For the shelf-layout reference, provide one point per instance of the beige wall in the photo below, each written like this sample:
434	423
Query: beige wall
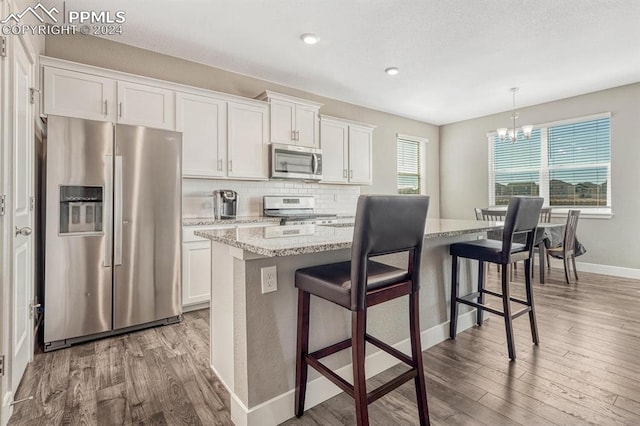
464	169
117	56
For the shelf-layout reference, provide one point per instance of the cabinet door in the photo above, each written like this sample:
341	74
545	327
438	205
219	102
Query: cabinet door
142	105
334	138
282	121
80	95
203	123
307	126
196	272
360	155
247	143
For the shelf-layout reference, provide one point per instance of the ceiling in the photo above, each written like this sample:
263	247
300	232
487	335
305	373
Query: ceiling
457	58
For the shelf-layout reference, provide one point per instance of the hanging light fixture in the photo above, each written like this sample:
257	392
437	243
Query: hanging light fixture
514	134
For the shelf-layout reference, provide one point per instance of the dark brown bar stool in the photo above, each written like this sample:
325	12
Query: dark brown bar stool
522	217
384	224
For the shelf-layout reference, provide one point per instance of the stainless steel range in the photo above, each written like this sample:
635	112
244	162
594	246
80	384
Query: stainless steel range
295	210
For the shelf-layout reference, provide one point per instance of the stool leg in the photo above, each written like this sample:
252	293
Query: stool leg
454	296
532	312
358	328
416	355
507	313
302	351
480	290
575	270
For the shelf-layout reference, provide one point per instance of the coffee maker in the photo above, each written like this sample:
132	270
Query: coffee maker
225	203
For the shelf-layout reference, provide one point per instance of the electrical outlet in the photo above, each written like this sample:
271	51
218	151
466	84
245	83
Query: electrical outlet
269	279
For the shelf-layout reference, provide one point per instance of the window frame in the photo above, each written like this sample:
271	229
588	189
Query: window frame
422	147
545	169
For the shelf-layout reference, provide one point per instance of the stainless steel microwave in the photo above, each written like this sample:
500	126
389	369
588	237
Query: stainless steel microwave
295	162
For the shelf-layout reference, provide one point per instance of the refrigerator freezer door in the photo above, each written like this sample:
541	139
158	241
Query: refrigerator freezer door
78	276
148	205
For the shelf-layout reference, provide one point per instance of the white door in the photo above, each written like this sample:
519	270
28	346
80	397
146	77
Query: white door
334	136
360	155
22	189
203	123
142	105
248	145
282	121
80	95
307	126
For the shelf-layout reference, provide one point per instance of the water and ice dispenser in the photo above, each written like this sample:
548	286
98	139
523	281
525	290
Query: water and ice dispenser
81	209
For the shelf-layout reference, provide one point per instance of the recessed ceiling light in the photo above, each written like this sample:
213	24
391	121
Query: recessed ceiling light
310	38
392	70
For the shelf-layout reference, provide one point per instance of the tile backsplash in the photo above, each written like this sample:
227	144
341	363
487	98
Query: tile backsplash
198	202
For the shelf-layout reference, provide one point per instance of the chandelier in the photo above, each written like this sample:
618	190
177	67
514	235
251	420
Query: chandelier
514	134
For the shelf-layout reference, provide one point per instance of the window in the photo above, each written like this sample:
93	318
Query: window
568	163
410	165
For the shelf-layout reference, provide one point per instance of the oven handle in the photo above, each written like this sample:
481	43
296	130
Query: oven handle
315	163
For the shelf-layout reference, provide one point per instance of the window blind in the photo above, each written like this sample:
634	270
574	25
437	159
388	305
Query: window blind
569	164
409	173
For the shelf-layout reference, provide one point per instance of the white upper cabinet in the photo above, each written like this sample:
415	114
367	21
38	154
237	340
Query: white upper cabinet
347	151
293	120
248	143
360	154
71	93
142	105
203	123
75	94
335	151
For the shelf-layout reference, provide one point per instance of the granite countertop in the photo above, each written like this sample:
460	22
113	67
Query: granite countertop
293	240
203	221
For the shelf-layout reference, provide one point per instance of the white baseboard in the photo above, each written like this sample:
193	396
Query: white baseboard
5	410
616	271
281	408
195	307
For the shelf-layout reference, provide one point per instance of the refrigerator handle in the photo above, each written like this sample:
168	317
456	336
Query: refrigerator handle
108	209
117	211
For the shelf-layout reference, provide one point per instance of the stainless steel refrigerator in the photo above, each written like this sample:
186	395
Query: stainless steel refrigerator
112	254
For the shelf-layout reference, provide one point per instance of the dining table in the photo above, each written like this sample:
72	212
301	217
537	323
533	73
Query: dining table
548	235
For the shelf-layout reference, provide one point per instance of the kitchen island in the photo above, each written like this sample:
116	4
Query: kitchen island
253	335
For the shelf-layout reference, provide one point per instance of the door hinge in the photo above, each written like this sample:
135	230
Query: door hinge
3	46
32	204
32	95
1	365
3	204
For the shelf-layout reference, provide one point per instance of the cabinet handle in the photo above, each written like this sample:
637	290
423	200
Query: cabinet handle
120	109
293	135
106	110
298	135
220	164
350	174
230	165
344	173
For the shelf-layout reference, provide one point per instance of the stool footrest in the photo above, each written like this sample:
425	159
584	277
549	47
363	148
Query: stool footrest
389	349
330	350
467	301
391	385
493	293
329	374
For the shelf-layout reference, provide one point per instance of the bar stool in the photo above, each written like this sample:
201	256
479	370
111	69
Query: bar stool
384	224
522	218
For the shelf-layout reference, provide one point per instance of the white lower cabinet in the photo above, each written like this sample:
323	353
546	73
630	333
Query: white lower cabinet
196	264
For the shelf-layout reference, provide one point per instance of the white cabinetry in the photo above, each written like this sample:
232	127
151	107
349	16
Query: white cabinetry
248	143
76	94
72	93
143	105
203	123
294	121
347	151
196	264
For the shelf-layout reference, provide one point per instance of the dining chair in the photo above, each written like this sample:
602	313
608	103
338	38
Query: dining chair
545	217
567	250
384	224
521	218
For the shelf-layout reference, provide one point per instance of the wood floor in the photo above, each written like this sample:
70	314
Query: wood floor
585	371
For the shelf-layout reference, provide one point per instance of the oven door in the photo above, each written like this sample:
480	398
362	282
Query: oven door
295	162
